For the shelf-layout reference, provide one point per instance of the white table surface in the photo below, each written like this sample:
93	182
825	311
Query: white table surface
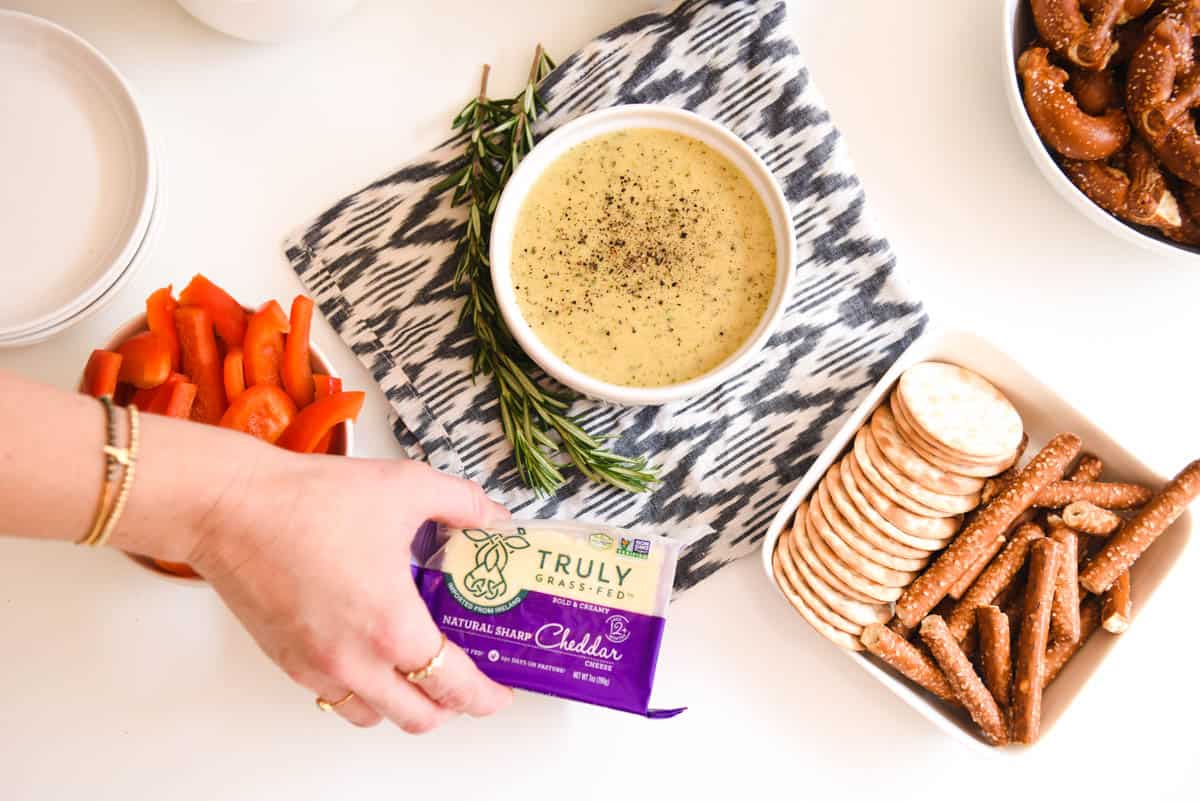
117	685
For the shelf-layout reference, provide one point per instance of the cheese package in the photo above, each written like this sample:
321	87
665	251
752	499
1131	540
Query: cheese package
567	609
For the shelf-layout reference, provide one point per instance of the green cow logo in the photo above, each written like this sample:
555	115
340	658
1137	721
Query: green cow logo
486	580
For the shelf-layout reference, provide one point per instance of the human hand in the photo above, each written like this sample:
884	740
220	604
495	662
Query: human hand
312	555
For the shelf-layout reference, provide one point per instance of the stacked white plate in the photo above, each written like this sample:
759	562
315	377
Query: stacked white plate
79	184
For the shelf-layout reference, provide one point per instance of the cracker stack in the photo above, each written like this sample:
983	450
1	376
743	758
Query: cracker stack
896	498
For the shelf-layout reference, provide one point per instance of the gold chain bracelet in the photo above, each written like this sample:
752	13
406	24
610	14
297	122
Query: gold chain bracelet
108	514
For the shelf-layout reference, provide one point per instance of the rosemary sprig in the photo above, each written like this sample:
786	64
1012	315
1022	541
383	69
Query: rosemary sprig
534	418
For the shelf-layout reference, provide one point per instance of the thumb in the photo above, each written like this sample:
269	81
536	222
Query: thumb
448	499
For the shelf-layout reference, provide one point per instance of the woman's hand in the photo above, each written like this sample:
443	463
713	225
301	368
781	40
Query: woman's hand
312	555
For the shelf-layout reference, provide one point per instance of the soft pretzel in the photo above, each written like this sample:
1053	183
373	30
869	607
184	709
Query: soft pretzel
1163	86
1130	9
1095	90
1087	40
1059	120
1137	194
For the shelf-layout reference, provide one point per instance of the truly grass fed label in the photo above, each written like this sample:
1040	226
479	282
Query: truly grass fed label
491	571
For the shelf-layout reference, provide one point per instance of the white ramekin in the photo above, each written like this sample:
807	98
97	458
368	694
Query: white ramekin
1018	32
590	126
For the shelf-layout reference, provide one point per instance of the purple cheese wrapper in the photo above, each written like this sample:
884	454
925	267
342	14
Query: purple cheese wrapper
583	625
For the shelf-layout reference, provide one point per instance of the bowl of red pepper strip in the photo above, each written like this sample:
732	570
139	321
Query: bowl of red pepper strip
207	358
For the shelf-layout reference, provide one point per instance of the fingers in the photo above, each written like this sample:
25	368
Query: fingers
457	684
448	499
411	641
355	710
399	701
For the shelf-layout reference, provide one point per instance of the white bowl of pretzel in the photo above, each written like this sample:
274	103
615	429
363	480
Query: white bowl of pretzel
1102	93
967	533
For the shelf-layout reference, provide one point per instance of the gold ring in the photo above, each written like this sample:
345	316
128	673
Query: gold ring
326	706
417	676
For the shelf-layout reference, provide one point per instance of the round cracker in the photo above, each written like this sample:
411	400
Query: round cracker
944	502
882	523
938	456
940	528
898	408
960	409
897	451
859	612
803	550
875	591
867	568
894	494
827	631
857	541
814	601
865	528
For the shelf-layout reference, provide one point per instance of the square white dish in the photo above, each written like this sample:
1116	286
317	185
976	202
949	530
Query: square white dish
1045	414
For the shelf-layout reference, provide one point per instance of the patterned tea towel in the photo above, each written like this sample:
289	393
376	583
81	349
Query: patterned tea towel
380	264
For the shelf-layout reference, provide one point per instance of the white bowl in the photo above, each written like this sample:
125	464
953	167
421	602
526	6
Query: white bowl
590	126
79	175
1045	414
268	20
1018	33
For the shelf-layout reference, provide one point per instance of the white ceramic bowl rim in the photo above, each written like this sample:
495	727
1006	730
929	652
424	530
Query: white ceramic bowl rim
588	127
110	81
1010	48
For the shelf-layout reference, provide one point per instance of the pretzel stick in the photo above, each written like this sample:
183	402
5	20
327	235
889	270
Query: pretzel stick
1026	711
1088	518
998	575
1061	652
963	679
1124	547
1106	494
958	588
1012	607
1118	605
991	522
995	651
1088	468
899	629
907	659
997	482
1064	609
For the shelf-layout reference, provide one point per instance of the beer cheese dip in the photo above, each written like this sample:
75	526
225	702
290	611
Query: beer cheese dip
643	258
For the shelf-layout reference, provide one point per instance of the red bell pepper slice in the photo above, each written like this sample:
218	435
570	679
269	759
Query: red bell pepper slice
297	363
227	315
154	398
181	569
320	416
145	360
177	398
160	318
262	350
235	374
201	362
323	387
100	375
263	411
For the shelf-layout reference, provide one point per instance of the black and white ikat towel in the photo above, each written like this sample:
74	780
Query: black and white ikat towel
380	263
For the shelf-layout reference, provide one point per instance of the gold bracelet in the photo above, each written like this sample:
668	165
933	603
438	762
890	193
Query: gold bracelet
127	458
111	472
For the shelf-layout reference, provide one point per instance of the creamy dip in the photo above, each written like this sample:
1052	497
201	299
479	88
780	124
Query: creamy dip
643	258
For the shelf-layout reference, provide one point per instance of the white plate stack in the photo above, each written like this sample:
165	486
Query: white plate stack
80	197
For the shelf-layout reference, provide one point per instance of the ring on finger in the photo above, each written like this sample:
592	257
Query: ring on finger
421	674
328	706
